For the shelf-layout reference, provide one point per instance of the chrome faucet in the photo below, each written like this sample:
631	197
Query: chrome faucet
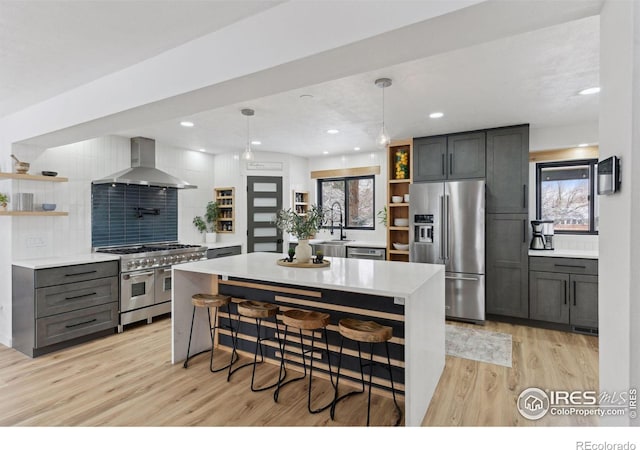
342	235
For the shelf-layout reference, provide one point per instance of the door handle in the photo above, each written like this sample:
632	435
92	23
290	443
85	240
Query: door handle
448	227
137	275
462	278
565	291
442	224
450	163
279	241
574	293
524	196
443	164
524	231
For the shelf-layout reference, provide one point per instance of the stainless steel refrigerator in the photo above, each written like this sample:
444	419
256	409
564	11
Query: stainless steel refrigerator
447	226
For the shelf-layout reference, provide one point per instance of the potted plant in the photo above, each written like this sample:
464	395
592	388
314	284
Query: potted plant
292	253
302	227
382	216
4	199
208	225
319	257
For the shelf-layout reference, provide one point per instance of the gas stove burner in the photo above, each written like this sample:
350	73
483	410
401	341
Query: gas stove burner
146	256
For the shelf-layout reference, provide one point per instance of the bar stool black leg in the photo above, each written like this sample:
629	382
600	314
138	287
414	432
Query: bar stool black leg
259	346
393	389
233	343
280	383
186	361
370	378
337	398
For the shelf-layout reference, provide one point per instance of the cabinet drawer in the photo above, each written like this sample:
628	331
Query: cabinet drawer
564	265
71	274
62	327
225	251
69	297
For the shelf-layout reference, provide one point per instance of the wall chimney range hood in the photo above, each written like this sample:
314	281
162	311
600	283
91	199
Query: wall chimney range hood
143	169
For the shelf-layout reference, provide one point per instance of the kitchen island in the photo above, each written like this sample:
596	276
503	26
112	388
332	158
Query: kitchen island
407	296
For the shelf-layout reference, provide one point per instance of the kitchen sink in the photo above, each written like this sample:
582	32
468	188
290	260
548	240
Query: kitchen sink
332	248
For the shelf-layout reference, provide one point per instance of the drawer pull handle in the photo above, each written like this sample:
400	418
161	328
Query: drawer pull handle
81	323
79	273
570	265
224	254
80	296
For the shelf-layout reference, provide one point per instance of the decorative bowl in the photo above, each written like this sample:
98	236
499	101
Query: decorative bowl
48	206
401	222
22	167
48	173
399	246
396	199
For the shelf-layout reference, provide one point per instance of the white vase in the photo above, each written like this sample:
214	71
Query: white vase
303	251
210	237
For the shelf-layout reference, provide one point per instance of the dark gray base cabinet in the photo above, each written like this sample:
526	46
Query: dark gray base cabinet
58	307
564	290
507	266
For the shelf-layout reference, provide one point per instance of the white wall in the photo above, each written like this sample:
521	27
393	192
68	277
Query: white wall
360	159
565	136
619	264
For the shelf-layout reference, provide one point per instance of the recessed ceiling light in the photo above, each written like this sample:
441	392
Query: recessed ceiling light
436	115
583	145
589	91
325	153
256	143
356	148
185	123
202	150
333	131
306	96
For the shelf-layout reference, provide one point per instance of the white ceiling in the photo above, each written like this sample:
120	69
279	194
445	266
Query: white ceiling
530	78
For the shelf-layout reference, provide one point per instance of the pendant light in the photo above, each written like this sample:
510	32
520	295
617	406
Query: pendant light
383	137
247	155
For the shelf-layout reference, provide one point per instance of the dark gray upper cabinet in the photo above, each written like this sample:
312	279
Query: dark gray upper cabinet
454	157
507	265
466	156
430	159
508	170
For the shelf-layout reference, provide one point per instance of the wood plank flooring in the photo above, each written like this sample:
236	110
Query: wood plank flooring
128	380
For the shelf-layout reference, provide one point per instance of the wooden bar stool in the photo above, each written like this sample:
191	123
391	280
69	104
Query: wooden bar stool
258	311
309	321
364	332
212	301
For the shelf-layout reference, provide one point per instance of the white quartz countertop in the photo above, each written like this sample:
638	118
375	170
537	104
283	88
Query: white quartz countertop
354	243
565	253
59	261
385	278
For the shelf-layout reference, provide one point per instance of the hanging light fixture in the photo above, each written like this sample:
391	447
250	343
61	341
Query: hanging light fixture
383	138
247	155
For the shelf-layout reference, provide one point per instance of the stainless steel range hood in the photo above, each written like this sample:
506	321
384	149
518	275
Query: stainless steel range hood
143	168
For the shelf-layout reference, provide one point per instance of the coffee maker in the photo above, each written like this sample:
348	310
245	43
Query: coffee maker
547	232
542	235
537	241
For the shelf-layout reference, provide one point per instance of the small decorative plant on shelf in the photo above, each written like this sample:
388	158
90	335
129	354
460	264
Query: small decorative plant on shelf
4	199
302	226
208	225
382	216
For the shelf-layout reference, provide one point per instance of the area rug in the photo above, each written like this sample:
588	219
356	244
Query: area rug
478	345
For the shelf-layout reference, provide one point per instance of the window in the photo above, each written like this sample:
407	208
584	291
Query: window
566	194
354	197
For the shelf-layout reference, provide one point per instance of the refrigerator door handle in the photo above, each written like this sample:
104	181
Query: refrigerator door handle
442	225
462	278
448	227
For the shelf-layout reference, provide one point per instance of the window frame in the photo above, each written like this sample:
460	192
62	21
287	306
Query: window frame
372	177
592	163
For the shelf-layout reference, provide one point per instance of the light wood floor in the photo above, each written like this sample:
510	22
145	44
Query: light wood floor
128	380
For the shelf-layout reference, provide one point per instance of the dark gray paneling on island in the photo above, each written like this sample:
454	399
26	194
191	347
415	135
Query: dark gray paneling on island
339	305
124	214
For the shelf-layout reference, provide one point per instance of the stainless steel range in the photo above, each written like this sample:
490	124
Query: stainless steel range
145	277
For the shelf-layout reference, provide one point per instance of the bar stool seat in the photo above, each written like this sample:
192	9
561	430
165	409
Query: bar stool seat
367	332
259	311
308	321
215	301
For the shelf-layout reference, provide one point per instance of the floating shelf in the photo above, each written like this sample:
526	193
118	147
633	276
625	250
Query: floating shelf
300	200
399	252
393	205
225	197
33	213
26	176
398	187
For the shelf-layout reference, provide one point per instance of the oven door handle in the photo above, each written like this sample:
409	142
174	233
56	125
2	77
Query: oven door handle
128	276
163	270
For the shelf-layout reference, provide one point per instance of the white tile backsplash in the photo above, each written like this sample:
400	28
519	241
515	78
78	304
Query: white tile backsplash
575	242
